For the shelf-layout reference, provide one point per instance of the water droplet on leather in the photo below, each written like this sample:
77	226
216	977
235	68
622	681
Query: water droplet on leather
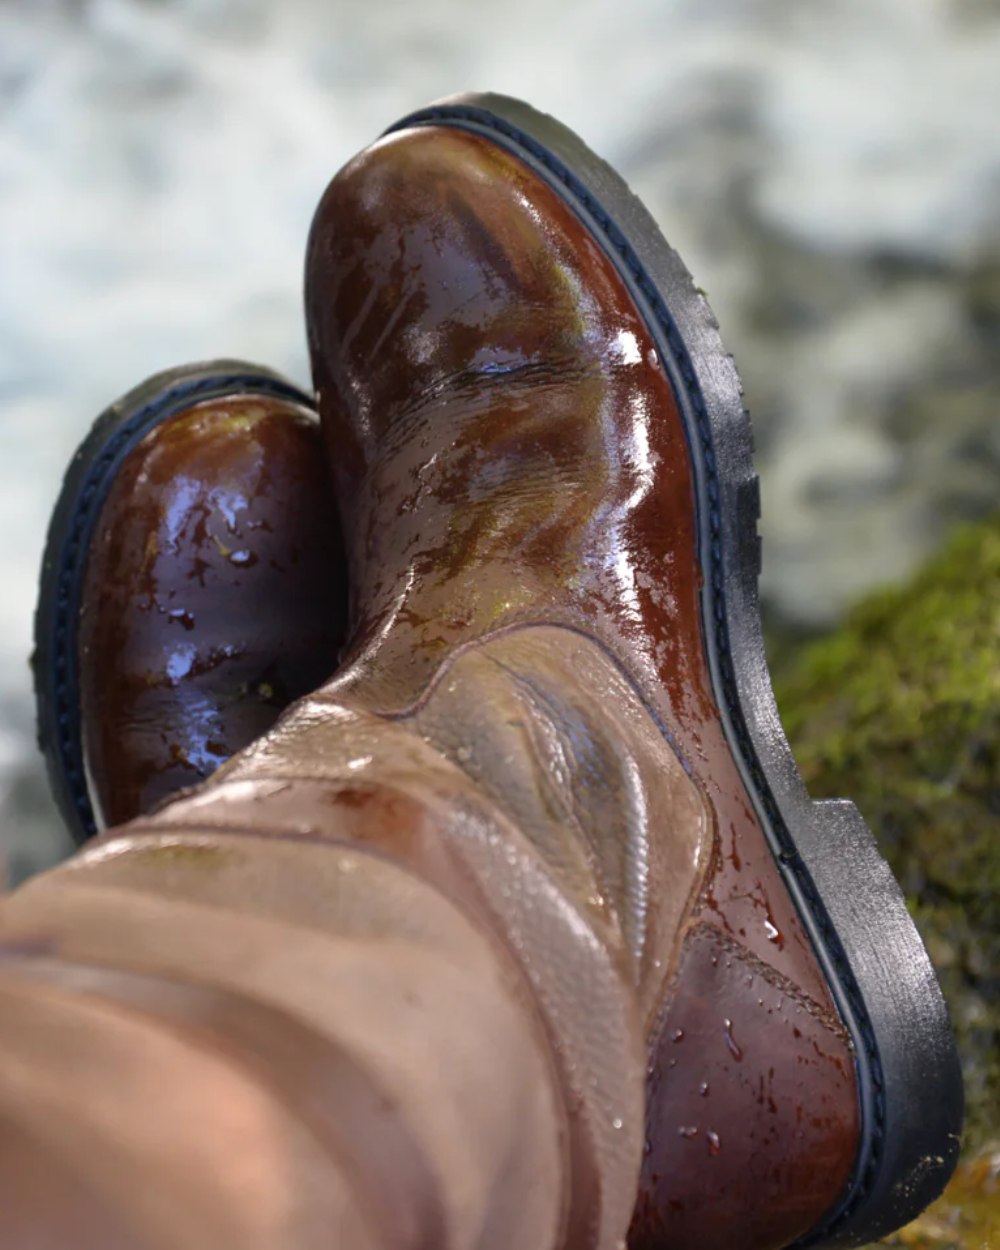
687	1131
703	1089
616	1123
677	1035
180	662
714	1145
733	1048
242	559
182	617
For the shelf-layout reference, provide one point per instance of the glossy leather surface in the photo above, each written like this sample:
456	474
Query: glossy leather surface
746	1096
503	864
518	457
214	595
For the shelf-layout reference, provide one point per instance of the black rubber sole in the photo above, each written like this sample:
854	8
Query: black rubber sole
878	970
85	487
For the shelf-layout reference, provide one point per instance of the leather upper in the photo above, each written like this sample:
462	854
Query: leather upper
213	596
516	456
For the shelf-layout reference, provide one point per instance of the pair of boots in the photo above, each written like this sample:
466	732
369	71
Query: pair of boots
517	928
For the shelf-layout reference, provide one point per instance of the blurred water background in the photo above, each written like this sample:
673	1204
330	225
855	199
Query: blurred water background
830	173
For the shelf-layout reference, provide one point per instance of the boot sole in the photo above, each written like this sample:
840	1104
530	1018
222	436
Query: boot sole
91	472
909	1080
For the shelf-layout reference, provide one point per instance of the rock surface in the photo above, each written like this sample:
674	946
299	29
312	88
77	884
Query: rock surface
900	710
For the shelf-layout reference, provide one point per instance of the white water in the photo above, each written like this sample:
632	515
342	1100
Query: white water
159	163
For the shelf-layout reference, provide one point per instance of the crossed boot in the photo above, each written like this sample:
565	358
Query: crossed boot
520	929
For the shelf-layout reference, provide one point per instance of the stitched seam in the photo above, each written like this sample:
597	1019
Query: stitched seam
775	979
66	716
789	856
422	699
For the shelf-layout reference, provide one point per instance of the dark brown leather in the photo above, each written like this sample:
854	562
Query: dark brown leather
213	596
504	859
746	1101
517	458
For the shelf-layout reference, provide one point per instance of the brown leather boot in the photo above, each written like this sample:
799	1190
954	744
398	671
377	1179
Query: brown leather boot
192	586
540	836
549	499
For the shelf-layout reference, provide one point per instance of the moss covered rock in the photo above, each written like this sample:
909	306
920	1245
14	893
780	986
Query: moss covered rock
900	711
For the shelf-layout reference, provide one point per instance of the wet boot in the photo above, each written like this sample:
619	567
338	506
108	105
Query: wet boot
193	585
531	891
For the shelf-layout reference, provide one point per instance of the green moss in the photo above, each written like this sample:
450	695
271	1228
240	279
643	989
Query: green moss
900	711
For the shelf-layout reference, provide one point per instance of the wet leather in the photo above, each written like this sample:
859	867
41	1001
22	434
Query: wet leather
527	445
585	778
443	896
529	451
213	596
747	1096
